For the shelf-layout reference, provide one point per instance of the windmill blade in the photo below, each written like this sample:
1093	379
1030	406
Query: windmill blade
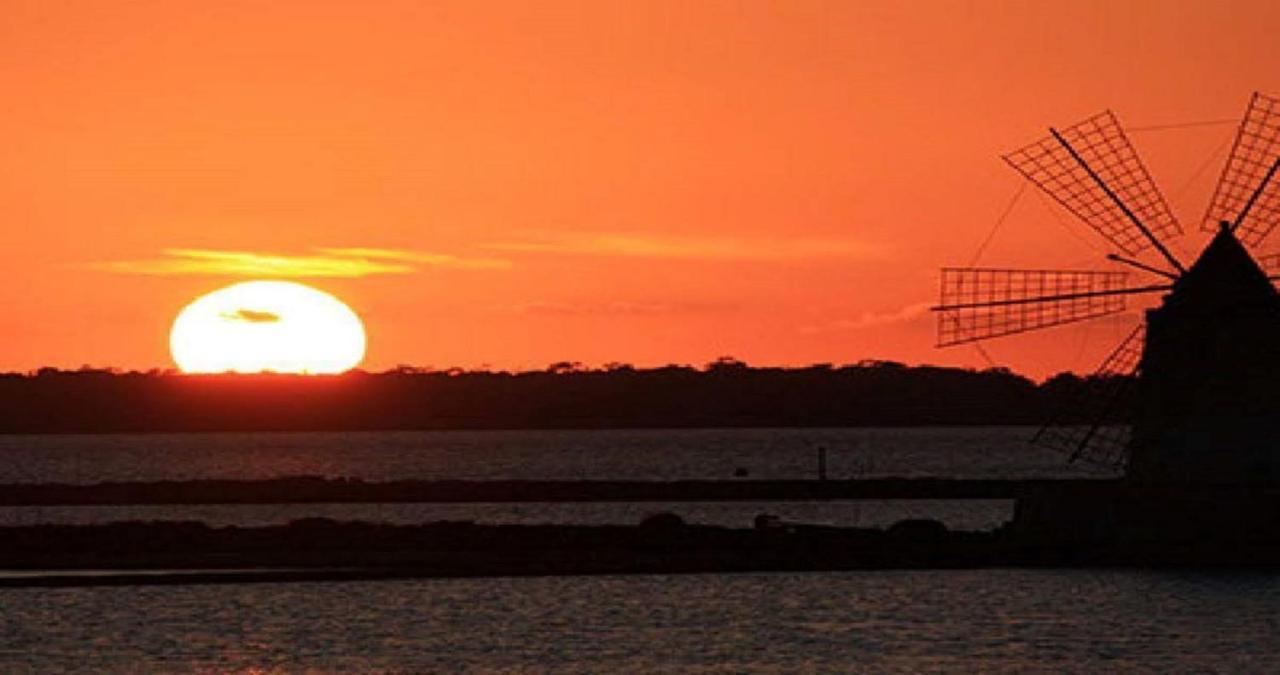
1093	425
1092	169
1256	149
1269	263
979	303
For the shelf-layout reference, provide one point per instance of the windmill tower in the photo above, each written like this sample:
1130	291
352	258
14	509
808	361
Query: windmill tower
1204	367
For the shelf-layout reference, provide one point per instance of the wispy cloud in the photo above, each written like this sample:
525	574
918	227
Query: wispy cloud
418	257
913	312
199	262
610	308
694	248
323	262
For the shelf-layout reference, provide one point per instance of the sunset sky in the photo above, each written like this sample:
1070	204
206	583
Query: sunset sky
514	184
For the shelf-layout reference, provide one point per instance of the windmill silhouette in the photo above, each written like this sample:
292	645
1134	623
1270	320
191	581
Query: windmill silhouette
1204	365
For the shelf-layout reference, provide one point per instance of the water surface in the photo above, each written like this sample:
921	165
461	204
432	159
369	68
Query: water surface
625	454
916	621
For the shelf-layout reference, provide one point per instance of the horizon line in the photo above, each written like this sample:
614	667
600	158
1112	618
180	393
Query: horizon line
558	368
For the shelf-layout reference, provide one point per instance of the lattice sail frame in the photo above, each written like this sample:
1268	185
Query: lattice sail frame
979	303
1270	263
1256	148
1103	145
1086	427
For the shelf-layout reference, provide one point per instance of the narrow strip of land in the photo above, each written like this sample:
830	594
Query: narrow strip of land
308	490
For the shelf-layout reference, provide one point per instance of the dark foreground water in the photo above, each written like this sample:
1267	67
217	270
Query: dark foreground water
934	621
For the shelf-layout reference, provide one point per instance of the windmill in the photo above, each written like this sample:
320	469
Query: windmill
1203	368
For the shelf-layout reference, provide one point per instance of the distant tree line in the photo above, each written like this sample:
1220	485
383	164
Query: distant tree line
724	393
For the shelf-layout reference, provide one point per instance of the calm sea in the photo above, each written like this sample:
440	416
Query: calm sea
973	452
1090	621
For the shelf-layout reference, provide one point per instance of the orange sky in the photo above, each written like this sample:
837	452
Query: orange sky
517	184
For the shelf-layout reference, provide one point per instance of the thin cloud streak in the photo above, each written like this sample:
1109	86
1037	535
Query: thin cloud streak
330	263
640	246
419	257
913	312
610	308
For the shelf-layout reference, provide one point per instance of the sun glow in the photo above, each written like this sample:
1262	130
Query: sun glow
267	326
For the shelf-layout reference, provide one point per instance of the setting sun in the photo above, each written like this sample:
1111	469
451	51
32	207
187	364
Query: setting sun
267	326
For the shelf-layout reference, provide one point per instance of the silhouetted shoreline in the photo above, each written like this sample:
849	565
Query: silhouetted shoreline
725	393
318	549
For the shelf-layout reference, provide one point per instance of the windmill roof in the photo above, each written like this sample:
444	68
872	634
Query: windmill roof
1224	274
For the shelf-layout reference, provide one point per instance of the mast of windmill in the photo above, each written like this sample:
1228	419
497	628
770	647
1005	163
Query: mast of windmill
1137	222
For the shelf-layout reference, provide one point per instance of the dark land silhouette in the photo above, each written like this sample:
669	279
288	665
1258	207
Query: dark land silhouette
323	549
662	542
724	393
